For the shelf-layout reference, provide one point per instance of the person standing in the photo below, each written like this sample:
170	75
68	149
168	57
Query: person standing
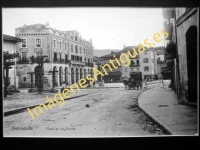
93	84
102	82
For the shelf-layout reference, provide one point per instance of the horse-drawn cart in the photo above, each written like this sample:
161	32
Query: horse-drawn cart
135	81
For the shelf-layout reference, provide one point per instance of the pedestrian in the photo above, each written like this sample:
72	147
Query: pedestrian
102	83
93	84
111	80
162	81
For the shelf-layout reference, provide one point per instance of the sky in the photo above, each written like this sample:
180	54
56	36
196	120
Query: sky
108	27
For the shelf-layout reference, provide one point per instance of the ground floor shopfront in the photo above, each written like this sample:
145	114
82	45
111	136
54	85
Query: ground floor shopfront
113	77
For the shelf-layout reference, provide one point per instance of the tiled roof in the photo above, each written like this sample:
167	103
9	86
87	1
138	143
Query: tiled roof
11	38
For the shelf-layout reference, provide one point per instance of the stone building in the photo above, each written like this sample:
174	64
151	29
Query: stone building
68	55
187	25
182	24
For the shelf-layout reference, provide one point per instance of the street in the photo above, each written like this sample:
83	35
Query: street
103	112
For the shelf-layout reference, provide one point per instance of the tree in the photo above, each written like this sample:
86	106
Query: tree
7	63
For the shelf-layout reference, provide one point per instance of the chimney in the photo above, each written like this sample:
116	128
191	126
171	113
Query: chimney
124	46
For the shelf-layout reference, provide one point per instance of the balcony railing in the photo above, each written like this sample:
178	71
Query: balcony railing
56	60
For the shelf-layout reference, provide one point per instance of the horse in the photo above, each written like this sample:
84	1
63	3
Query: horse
125	83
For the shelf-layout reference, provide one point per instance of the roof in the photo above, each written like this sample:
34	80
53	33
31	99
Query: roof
11	38
32	26
95	58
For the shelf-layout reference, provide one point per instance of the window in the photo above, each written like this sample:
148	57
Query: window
72	57
138	62
71	47
24	54
146	68
145	53
84	50
38	43
85	60
55	56
60	56
60	44
54	43
66	58
24	43
76	39
80	50
132	63
138	69
76	49
146	60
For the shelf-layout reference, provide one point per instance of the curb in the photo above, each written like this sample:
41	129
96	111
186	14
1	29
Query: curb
15	111
159	123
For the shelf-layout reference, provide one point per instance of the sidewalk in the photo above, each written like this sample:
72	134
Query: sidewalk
162	106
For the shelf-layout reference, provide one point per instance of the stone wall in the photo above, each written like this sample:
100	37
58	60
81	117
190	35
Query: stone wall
181	42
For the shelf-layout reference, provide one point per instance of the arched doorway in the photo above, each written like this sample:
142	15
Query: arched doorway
61	75
77	74
66	75
72	75
191	46
55	77
38	74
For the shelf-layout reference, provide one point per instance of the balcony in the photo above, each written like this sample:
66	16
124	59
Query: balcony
76	62
134	65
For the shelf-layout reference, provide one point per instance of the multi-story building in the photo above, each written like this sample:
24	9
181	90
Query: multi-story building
145	62
116	74
69	56
182	24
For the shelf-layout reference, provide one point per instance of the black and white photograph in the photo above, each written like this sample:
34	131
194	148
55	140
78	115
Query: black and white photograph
100	71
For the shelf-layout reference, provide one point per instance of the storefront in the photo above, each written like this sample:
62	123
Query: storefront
113	77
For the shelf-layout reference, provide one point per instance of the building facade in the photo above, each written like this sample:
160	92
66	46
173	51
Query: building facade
182	50
187	25
145	62
116	74
9	45
69	57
